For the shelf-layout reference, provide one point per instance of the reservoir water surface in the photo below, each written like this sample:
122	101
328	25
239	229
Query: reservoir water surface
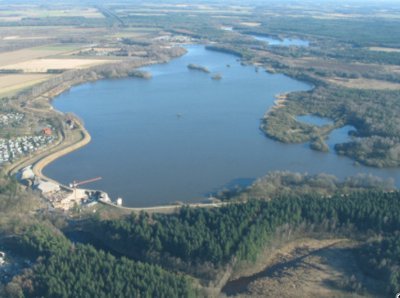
181	135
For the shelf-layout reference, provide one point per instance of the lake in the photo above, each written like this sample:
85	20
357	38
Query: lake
338	135
314	120
271	41
181	135
284	42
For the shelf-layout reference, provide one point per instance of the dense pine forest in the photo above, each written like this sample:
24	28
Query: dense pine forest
155	255
64	269
238	231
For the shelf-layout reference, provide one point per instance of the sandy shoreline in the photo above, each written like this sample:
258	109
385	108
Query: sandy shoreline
40	164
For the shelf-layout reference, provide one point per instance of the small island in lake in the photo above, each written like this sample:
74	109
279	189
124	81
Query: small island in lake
198	67
140	74
217	77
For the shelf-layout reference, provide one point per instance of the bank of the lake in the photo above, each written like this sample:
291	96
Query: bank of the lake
182	135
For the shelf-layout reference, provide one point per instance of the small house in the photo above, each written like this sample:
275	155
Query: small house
47	131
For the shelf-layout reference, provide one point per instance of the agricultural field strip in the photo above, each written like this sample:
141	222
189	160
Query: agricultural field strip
382	49
16	34
14	57
42	65
13	82
18	13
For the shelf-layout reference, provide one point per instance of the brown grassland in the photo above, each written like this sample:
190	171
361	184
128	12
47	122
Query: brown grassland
306	267
42	65
363	83
13	82
19	56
